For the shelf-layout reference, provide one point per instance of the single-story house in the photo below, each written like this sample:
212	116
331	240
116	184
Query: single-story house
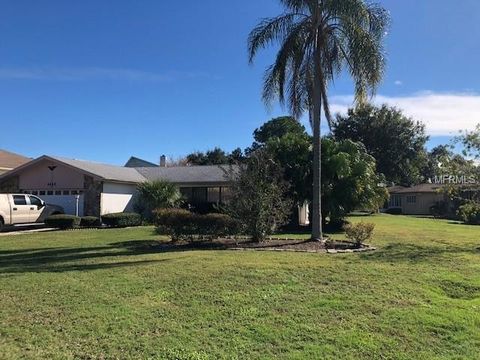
89	188
414	200
10	160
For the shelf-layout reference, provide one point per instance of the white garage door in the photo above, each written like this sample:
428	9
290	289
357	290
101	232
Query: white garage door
68	202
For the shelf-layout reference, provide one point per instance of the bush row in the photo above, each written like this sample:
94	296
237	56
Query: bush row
113	220
470	213
182	224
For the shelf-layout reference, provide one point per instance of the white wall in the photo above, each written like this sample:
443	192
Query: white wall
117	198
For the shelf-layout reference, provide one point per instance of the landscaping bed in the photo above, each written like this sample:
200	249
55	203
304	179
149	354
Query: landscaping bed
273	244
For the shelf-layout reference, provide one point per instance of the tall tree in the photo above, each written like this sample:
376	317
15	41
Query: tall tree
216	156
393	139
318	40
471	142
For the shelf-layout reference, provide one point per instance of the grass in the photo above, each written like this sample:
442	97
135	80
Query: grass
92	294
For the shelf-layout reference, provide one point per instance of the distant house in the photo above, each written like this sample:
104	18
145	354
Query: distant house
91	188
414	200
9	161
135	162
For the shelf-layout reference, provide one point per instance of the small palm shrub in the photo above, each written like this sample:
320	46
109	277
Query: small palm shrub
182	224
156	194
360	232
470	213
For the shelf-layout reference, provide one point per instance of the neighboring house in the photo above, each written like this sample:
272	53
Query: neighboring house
90	188
414	200
135	162
9	161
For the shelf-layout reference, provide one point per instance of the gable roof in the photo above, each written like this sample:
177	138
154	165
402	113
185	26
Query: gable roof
102	171
9	160
182	175
212	174
135	162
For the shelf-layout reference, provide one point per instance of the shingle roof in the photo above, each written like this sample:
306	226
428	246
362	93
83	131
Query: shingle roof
9	160
181	175
107	172
189	174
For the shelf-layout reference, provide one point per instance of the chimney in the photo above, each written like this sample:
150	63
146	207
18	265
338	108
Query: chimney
163	161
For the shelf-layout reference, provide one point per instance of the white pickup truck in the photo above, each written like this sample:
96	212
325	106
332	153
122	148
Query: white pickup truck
24	209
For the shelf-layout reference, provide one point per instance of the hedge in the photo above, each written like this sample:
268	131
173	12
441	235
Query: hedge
90	221
63	221
182	224
122	219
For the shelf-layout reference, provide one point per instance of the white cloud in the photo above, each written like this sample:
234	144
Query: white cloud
398	82
442	113
94	73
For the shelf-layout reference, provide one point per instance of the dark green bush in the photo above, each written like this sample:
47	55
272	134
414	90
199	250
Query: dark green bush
90	221
470	213
63	221
122	219
182	224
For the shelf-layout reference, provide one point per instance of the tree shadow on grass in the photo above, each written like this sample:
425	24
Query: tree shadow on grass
398	252
70	259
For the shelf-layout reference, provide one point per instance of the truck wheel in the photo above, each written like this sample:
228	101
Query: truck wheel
2	225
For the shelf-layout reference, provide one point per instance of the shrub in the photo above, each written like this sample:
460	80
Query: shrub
359	232
156	195
122	219
470	213
63	221
394	211
182	224
259	196
90	221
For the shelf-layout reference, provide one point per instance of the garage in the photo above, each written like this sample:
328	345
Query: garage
71	201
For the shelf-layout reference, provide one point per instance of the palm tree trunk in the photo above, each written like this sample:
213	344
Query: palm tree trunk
317	233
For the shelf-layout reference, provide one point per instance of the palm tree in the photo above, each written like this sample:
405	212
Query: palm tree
318	40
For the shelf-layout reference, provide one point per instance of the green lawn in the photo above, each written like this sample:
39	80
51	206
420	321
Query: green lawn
90	294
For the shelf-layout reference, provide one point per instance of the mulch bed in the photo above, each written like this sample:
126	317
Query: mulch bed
293	245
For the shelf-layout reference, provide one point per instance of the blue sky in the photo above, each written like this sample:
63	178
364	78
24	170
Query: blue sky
103	80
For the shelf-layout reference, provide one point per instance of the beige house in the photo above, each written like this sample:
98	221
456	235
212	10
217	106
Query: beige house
414	200
89	188
9	161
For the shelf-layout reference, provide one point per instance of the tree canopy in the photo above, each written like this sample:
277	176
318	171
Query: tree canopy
396	141
216	156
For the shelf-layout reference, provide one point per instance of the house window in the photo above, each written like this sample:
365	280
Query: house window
213	195
58	192
226	194
49	192
66	192
42	192
199	195
395	201
411	199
